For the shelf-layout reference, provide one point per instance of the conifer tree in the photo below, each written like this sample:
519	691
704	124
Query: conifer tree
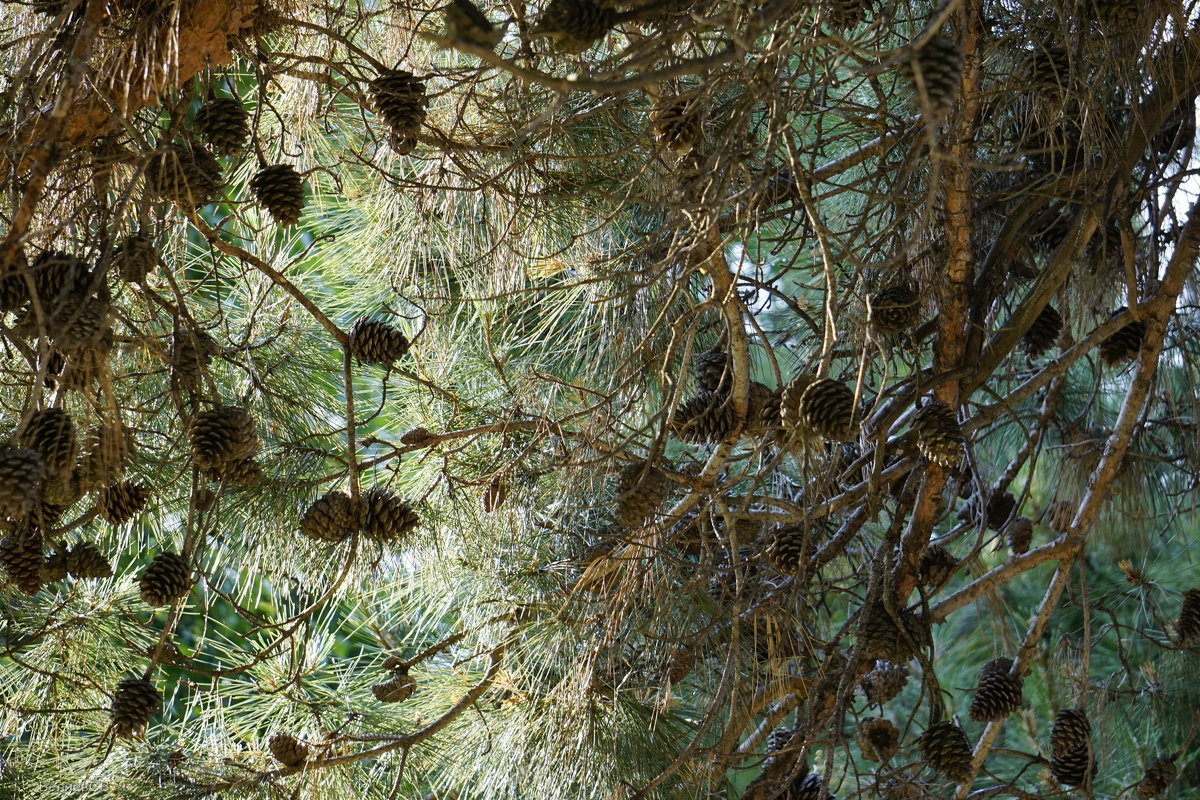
598	399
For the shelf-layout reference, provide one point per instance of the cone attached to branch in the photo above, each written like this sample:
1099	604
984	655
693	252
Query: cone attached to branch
85	560
945	748
883	682
1188	626
333	518
221	435
713	371
895	309
376	342
167	578
387	519
465	22
1159	776
939	437
135	258
677	123
787	548
280	190
641	489
998	693
1072	762
882	638
224	125
288	750
790	409
1019	534
574	25
935	72
1124	343
936	567
22	474
1043	333
185	175
397	689
828	408
878	739
400	99
21	558
52	434
134	704
704	419
121	502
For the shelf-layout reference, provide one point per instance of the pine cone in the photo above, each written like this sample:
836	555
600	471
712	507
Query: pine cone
1072	762
21	477
936	567
1161	773
790	409
787	548
52	434
705	418
845	14
135	258
939	437
54	567
828	408
882	639
400	99
104	456
288	750
1119	17
244	472
415	436
574	25
677	123
1071	732
191	352
1019	534
21	558
1048	69
224	125
14	291
1188	626
998	694
895	309
465	22
165	580
280	190
221	435
883	682
1060	515
388	518
57	276
185	175
333	518
1125	343
641	489
1043	333
878	739
1000	506
85	560
809	787
935	72
945	748
135	702
375	342
713	371
396	689
62	491
763	410
121	502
